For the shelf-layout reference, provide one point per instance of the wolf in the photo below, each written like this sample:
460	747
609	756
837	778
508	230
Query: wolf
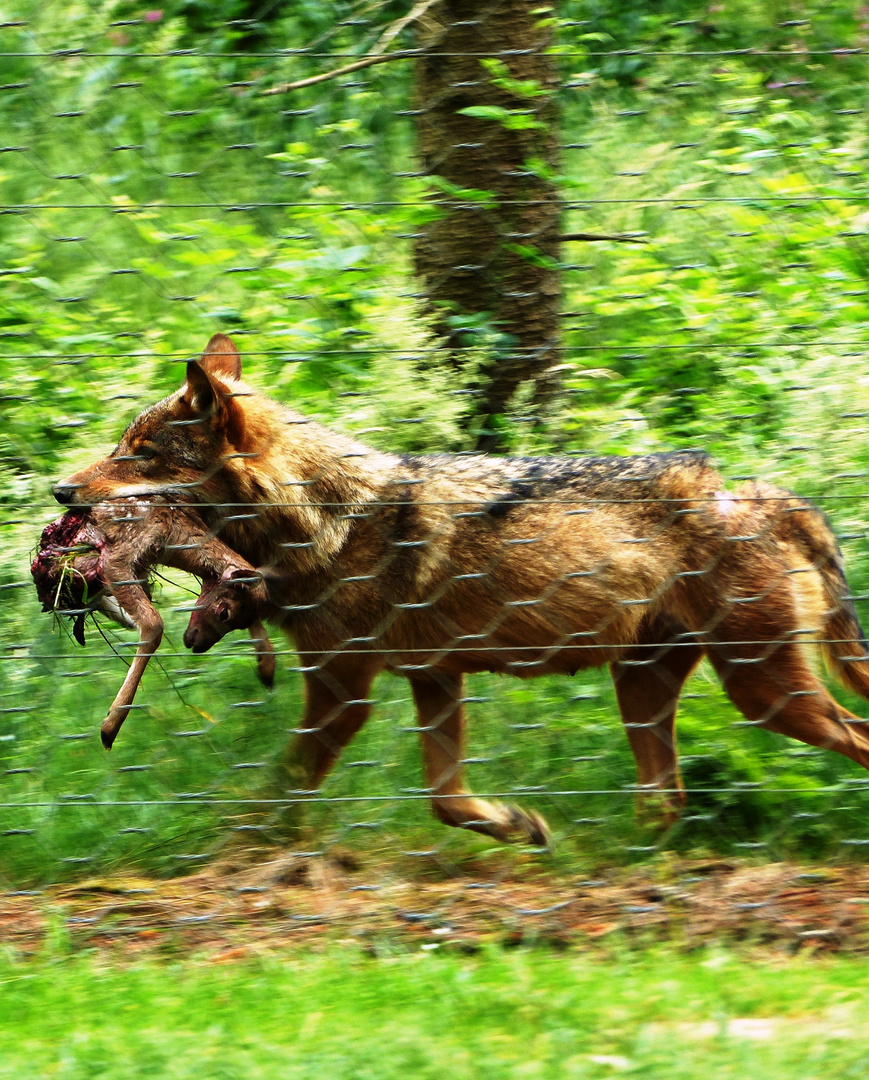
435	566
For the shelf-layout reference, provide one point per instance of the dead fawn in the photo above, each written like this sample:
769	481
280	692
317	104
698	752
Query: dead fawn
100	559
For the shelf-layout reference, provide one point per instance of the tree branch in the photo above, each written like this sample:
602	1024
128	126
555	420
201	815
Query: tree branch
378	57
391	32
357	65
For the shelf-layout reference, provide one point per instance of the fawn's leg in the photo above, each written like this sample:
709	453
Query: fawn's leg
134	601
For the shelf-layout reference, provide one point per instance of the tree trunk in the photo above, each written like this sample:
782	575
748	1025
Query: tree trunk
491	259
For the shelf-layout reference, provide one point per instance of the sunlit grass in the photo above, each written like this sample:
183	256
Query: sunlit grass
346	1015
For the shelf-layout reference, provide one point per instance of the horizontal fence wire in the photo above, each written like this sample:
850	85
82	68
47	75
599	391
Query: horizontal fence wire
695	190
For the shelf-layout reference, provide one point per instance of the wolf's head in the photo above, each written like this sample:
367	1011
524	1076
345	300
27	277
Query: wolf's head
179	448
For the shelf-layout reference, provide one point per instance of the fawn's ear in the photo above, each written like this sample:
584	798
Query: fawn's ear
238	576
221	358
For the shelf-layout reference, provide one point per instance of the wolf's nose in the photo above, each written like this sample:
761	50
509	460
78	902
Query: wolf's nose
64	493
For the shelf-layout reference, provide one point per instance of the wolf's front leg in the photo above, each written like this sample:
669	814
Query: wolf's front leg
337	704
441	715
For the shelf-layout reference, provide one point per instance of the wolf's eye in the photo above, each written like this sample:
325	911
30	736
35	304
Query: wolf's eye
143	452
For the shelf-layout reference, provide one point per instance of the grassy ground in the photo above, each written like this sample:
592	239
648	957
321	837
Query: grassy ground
423	1015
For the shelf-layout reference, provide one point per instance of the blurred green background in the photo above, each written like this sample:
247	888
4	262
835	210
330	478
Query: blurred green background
151	196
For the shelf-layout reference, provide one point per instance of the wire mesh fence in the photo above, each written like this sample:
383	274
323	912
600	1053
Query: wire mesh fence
689	190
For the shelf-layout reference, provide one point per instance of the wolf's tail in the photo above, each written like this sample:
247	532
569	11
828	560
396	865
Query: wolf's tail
817	573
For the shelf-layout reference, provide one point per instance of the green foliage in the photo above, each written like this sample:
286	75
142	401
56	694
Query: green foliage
153	199
520	88
511	119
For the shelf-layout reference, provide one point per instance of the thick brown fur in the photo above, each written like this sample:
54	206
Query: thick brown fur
435	566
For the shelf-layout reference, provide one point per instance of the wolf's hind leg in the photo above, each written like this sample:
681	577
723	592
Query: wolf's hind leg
779	691
755	635
648	682
441	715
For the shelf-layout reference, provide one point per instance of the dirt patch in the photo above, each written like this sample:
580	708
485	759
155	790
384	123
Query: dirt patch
235	909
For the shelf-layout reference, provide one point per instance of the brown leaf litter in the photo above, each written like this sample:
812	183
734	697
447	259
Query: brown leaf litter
238	908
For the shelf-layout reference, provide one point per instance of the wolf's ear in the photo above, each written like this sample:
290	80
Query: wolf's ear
221	357
201	393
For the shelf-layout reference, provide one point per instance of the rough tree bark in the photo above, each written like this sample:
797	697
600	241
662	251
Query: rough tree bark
497	256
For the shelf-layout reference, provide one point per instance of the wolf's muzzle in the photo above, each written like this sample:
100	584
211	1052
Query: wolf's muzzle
64	493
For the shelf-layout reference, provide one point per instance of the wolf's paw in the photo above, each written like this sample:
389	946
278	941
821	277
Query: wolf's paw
659	810
259	829
286	824
530	826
